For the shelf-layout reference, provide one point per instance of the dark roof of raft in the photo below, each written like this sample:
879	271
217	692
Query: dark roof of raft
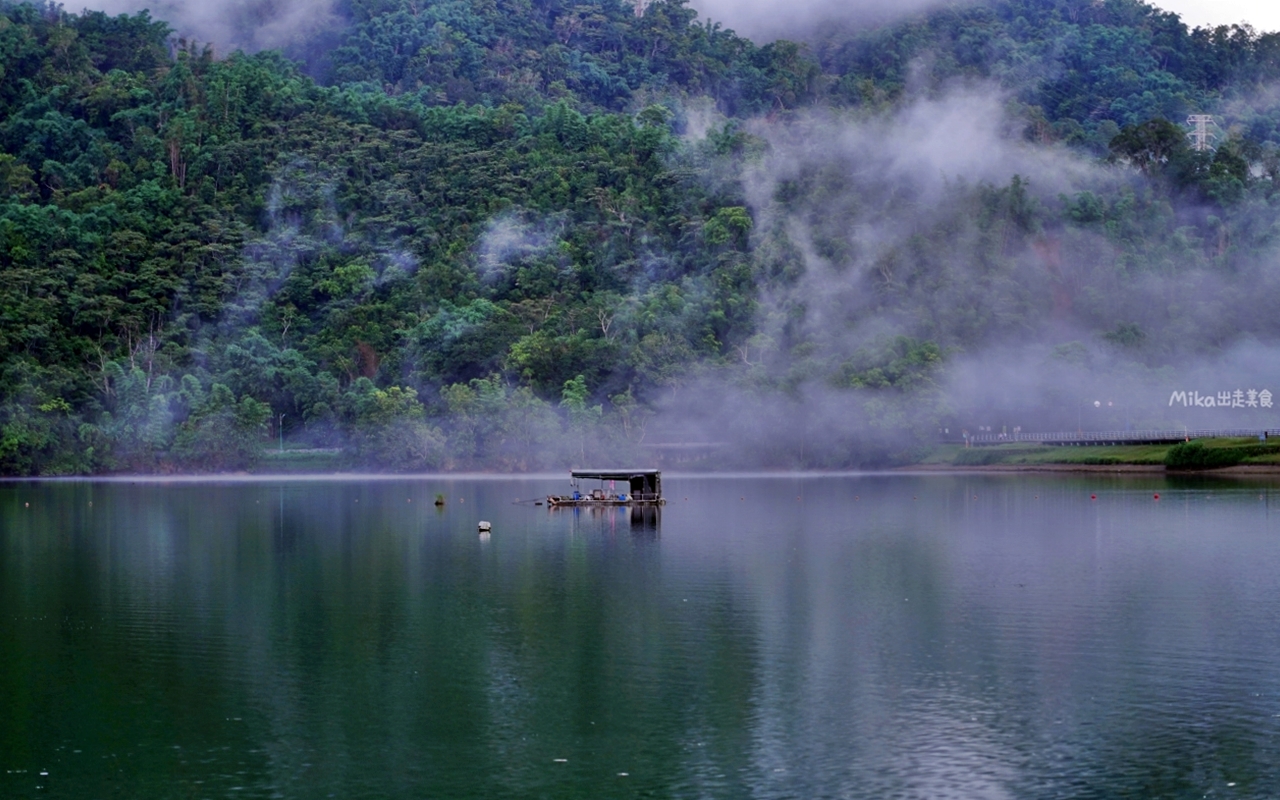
612	474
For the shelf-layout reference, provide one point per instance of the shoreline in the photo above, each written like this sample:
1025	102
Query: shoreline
1135	469
1131	468
1242	470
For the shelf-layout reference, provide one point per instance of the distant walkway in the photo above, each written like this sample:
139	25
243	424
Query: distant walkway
1091	438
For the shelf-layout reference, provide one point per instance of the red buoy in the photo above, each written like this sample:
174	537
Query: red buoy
1093	497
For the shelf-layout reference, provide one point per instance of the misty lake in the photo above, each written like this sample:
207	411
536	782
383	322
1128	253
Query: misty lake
913	636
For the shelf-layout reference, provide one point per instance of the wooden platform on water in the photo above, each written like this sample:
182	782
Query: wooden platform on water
641	487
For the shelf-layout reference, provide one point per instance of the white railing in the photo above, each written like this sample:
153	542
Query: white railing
1117	437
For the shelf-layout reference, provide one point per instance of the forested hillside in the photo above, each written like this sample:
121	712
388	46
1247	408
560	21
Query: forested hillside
509	235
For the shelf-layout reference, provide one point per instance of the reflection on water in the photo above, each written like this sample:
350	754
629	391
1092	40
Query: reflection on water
874	636
640	521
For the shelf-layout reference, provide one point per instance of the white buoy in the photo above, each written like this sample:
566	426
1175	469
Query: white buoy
484	526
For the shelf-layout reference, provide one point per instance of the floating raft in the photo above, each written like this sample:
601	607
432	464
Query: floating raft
627	487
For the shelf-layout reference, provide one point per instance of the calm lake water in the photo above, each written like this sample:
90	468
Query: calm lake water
911	636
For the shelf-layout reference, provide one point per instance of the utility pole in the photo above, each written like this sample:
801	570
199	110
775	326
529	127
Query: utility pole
1200	134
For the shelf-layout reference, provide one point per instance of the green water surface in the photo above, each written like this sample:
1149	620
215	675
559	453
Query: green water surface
775	637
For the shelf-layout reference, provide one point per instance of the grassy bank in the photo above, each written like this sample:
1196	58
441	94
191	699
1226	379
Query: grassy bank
317	460
1199	454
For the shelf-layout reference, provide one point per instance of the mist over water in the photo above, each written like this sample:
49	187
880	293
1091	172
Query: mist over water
855	636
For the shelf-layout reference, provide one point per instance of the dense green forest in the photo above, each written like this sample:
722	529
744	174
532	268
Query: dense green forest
512	234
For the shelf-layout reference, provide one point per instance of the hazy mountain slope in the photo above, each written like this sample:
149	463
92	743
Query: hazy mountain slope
513	234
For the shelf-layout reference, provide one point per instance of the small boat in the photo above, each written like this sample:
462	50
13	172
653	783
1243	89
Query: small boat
640	487
484	526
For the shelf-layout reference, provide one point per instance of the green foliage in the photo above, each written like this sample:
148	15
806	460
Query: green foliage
1151	145
1109	65
904	364
1126	335
1196	455
160	213
582	418
602	55
488	242
43	442
222	433
727	225
493	423
984	456
390	432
